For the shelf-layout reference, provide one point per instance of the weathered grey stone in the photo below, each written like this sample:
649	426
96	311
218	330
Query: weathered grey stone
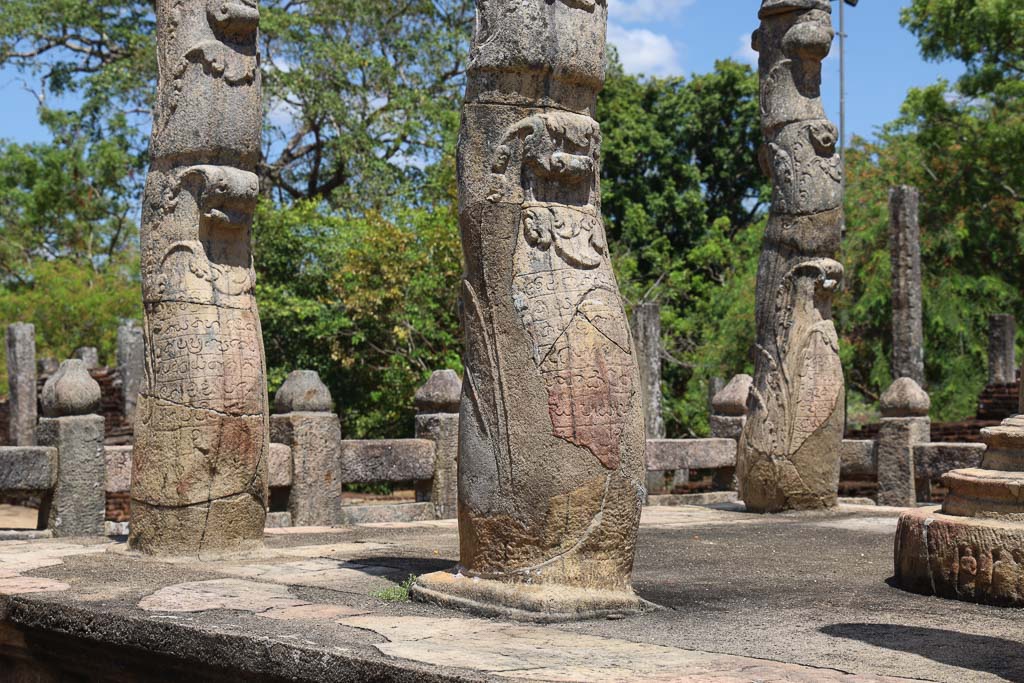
1002	351
21	383
897	437
315	442
858	459
732	399
303	391
441	393
709	498
118	468
727	426
70	391
47	366
790	446
551	447
279	520
905	256
131	365
89	355
647	337
443	430
690	454
972	549
387	514
78	503
199	485
905	398
27	468
279	467
932	460
380	460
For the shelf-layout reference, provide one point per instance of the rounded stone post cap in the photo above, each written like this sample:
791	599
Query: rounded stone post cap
732	399
71	391
905	398
303	391
1009	435
441	394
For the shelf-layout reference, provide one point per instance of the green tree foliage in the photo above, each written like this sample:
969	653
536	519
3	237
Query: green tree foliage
683	198
961	145
356	242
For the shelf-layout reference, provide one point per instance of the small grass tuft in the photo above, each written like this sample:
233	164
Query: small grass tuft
397	593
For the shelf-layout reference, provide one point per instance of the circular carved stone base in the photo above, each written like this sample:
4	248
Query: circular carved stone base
525	602
964	558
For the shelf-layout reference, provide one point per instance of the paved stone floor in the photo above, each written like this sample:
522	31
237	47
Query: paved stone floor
747	598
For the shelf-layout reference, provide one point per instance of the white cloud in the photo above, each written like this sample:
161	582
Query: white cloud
645	52
745	52
637	11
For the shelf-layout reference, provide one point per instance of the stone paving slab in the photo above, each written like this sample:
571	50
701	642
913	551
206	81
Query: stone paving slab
794	597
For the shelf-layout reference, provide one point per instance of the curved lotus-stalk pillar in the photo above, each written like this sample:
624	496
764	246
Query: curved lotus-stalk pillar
789	451
199	483
551	449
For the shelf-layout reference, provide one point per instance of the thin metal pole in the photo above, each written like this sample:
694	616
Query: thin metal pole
842	85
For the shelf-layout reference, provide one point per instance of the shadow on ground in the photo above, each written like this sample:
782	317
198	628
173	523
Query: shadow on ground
997	656
411	565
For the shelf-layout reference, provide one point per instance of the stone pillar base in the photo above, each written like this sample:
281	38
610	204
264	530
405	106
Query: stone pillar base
964	558
539	603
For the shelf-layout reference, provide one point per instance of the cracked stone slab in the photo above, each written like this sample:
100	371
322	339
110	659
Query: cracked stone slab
23	556
317	573
547	654
267	600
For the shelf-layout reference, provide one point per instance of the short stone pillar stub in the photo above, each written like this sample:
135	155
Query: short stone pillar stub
437	419
729	408
21	382
1002	353
314	435
905	423
77	504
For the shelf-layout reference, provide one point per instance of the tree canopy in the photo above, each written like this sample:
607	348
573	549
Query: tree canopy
356	239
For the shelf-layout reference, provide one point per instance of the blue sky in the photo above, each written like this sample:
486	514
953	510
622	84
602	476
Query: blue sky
663	37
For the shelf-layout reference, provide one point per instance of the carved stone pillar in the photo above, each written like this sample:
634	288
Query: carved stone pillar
551	445
789	451
199	477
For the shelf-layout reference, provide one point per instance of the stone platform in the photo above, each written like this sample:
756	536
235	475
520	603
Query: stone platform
795	597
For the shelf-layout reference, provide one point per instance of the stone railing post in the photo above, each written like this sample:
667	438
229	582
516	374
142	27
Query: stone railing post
70	399
21	381
728	415
303	420
1002	352
905	256
437	419
905	422
130	366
